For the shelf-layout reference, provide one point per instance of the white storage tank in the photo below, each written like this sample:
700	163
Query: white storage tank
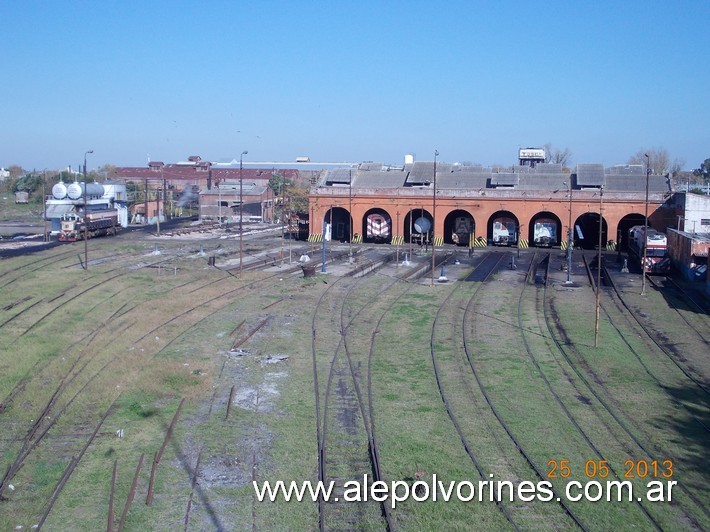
59	191
75	191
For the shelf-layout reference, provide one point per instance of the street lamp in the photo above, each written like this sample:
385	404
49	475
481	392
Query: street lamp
86	224
350	223
241	201
433	224
570	236
645	228
599	268
283	220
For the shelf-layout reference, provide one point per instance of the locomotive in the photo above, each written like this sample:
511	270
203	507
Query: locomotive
98	223
504	233
657	261
463	230
378	228
545	233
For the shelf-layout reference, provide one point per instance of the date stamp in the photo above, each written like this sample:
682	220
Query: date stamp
601	469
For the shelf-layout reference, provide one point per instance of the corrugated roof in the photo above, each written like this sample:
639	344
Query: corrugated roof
421	172
462	179
504	179
626	169
590	175
380	179
338	175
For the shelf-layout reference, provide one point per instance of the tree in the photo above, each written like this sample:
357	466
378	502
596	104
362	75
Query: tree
659	161
557	156
290	196
704	170
16	171
107	171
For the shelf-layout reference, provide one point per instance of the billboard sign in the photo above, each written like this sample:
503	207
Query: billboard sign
531	153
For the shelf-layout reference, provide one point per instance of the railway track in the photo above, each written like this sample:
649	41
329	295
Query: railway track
621	314
344	407
695	319
570	417
484	269
74	379
534	467
611	406
678	359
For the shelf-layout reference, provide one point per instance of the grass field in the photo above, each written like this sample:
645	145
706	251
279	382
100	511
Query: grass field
129	341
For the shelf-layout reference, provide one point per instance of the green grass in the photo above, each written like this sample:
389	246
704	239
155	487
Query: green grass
153	369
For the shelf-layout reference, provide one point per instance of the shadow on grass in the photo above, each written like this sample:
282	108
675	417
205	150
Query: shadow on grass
690	433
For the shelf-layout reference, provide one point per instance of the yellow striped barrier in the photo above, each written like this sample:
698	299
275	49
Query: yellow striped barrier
480	242
611	245
315	237
438	240
523	243
397	240
357	239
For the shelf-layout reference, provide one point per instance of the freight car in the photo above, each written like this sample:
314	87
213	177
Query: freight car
98	223
657	260
504	233
378	228
545	233
463	230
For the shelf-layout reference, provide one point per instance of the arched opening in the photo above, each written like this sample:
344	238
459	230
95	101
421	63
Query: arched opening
545	230
377	227
339	220
586	231
625	224
503	228
459	228
417	226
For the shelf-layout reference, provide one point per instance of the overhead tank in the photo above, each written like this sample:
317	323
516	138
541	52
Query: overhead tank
422	225
75	191
59	191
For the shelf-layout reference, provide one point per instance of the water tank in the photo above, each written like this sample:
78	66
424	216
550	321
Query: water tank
59	191
75	191
422	225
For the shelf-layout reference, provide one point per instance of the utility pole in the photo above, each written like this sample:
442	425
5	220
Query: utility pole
350	208
433	224
86	217
645	229
599	270
570	235
241	201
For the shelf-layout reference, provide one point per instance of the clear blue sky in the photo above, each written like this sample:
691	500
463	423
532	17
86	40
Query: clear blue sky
351	81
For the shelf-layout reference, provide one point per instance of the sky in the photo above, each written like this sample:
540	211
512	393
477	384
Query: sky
351	80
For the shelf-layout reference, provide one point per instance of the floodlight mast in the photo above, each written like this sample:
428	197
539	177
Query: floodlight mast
86	224
645	229
433	224
241	201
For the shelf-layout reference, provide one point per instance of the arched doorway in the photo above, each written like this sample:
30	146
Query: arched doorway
459	228
377	227
417	226
503	228
625	224
545	230
586	231
339	220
